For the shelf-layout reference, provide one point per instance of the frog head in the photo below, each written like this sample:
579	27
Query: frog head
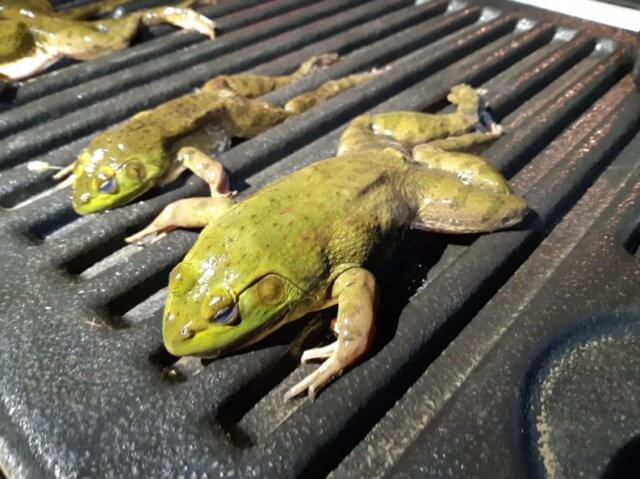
210	311
114	169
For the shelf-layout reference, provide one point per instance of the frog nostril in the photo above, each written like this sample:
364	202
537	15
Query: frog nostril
186	332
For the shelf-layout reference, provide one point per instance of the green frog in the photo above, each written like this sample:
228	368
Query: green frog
33	35
311	240
156	146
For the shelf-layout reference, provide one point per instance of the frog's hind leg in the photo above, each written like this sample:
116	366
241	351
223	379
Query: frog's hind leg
112	35
326	91
463	195
405	129
253	86
184	18
356	291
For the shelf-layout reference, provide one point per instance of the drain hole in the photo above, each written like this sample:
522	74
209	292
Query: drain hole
625	463
52	223
122	306
102	255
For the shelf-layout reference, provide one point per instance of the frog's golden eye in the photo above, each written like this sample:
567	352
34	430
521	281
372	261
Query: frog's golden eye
182	278
271	289
135	169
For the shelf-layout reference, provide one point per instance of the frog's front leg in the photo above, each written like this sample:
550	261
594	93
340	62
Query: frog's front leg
185	213
211	171
180	17
191	212
355	290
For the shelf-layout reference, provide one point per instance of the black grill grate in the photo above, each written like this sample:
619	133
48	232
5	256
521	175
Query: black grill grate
473	332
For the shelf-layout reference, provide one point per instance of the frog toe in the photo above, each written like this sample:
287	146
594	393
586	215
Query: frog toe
315	381
318	353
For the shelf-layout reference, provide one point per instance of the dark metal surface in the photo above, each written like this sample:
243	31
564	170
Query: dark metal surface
495	356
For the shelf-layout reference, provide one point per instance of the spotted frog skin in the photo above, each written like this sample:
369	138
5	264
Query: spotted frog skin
310	240
154	147
34	36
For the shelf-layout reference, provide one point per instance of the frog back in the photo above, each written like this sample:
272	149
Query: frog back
313	224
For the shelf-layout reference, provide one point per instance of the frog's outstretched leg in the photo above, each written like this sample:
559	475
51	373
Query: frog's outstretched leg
469	142
326	91
111	35
184	18
191	212
356	291
452	202
470	169
186	213
253	86
404	129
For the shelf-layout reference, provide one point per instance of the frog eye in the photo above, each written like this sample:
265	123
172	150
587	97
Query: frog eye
108	186
227	316
181	279
135	170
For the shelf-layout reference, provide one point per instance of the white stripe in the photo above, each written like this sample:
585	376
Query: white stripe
606	13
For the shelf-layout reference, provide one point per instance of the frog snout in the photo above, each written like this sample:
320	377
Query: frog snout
516	210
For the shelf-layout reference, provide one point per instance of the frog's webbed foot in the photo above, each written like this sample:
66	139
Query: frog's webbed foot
355	290
185	213
180	17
